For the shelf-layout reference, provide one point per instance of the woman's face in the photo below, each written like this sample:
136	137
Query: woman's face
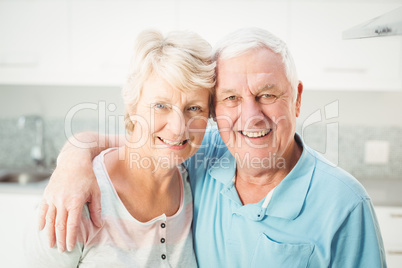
169	124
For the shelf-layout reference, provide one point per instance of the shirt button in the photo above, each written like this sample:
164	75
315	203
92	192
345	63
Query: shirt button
163	225
163	256
162	240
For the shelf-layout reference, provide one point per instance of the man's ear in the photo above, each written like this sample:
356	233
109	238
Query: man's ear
298	99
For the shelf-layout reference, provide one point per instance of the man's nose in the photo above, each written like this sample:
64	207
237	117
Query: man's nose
251	113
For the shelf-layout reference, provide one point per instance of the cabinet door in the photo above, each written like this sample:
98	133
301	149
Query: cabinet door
34	47
16	211
214	19
103	35
326	61
390	221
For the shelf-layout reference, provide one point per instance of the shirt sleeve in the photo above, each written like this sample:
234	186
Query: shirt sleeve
358	242
38	254
211	149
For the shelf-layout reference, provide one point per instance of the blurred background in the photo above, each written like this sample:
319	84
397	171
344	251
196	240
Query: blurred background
63	64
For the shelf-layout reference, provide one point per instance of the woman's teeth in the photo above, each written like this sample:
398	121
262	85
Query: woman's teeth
255	134
173	142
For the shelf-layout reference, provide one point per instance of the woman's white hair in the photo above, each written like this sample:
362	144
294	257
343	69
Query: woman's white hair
182	59
244	40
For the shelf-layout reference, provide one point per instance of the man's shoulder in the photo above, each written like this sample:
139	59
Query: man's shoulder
212	145
336	180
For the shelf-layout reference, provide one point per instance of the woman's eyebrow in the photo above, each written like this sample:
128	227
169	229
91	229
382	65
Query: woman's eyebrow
161	99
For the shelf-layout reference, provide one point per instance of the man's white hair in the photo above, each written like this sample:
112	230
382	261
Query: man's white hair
244	40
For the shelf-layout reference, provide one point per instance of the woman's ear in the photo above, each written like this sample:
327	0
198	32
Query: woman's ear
130	118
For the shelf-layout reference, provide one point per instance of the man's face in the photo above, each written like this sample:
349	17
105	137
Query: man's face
255	108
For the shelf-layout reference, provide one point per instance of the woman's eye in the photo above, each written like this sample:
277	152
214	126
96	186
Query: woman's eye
160	106
231	98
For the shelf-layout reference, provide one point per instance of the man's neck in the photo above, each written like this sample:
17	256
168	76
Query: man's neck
253	184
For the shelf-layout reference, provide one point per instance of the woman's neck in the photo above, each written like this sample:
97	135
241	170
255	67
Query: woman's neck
146	191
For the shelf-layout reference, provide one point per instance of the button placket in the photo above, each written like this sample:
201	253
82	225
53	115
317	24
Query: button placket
163	240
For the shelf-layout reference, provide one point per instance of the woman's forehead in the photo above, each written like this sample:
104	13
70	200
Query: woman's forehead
159	89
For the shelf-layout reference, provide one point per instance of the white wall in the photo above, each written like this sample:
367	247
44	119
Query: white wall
56	101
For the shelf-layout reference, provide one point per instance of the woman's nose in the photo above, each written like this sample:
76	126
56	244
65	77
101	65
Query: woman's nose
176	122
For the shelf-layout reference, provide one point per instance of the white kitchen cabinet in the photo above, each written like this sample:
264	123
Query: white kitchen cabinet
214	19
75	42
390	221
103	35
70	42
326	61
16	210
35	42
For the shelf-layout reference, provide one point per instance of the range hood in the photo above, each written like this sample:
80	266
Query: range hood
387	24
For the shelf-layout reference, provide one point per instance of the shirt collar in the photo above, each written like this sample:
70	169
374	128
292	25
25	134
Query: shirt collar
224	169
288	197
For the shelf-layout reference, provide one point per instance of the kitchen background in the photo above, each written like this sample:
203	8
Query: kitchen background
66	60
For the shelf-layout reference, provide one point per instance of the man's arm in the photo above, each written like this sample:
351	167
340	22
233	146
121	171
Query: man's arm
358	243
37	254
72	184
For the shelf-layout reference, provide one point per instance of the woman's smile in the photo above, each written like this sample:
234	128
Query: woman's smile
174	145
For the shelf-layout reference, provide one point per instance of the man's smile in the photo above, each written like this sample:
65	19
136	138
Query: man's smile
255	134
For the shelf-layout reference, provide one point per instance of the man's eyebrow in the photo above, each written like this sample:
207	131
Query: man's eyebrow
226	90
265	87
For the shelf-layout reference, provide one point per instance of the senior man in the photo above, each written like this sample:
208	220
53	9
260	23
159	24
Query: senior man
262	198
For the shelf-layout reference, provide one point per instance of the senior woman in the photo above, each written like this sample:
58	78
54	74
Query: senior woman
146	198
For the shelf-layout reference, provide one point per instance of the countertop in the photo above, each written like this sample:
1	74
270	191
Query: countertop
383	191
30	188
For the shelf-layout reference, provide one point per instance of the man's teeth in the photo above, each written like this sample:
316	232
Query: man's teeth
255	134
172	142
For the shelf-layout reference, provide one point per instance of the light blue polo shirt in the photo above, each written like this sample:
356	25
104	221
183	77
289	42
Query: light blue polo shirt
318	216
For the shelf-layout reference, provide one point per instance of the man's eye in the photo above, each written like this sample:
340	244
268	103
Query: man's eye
267	98
231	101
194	108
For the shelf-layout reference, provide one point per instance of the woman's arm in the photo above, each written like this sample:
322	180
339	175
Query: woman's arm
72	184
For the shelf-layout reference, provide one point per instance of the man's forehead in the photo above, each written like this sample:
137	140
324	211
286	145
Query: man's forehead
235	78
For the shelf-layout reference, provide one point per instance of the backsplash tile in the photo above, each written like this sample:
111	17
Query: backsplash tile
16	143
351	149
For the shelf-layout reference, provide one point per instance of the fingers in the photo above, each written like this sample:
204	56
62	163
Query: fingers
95	209
74	218
42	214
60	228
50	219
